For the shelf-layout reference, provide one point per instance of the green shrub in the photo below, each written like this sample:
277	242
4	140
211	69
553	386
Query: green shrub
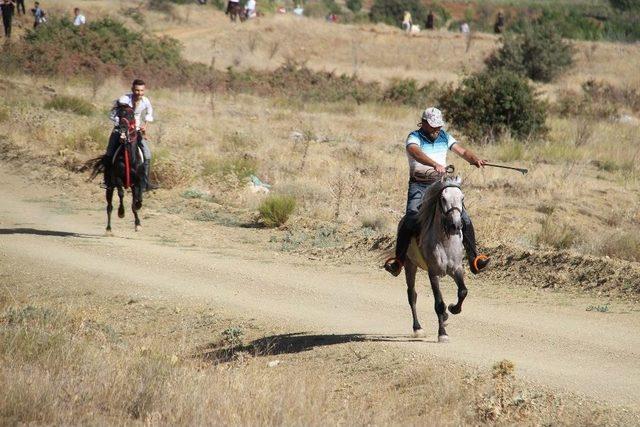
71	104
102	48
625	4
276	209
392	11
487	104
354	5
538	53
407	91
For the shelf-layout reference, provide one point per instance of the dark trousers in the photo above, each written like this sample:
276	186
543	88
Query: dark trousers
20	4
410	227
6	21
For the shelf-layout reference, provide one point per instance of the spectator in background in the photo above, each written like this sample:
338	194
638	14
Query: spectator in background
250	9
8	8
79	18
498	28
298	10
429	23
38	15
20	5
406	21
464	28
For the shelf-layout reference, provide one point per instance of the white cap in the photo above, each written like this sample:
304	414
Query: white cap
124	100
433	116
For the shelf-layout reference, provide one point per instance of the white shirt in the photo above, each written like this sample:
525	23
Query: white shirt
251	5
143	106
79	20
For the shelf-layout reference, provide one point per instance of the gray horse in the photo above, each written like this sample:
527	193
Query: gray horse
439	249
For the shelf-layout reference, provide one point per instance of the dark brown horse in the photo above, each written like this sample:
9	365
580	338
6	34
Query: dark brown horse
125	169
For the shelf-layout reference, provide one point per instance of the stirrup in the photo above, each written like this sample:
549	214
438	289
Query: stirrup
479	263
390	266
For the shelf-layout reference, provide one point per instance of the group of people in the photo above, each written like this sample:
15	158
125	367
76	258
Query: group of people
235	10
10	7
409	27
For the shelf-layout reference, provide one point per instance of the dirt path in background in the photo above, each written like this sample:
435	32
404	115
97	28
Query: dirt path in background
552	340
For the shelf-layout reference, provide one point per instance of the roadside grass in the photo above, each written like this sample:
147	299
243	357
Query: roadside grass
276	209
136	361
70	104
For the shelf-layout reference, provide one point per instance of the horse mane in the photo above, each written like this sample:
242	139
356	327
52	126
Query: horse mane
430	200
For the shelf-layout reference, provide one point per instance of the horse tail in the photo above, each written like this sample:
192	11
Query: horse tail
96	165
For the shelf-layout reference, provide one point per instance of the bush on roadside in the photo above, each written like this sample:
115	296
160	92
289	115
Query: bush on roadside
489	103
276	209
354	5
102	48
407	91
538	53
71	104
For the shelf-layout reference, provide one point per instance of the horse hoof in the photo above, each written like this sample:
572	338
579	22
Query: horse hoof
443	338
419	333
138	227
120	213
454	310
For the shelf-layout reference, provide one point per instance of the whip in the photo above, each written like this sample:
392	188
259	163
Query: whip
521	170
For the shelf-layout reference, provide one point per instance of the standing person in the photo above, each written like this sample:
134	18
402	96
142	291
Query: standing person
79	18
427	154
250	9
38	15
140	105
20	5
430	21
8	8
498	28
406	21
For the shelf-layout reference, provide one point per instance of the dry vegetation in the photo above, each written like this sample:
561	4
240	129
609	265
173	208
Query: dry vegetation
77	356
345	166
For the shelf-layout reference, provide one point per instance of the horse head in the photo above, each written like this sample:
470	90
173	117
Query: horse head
450	204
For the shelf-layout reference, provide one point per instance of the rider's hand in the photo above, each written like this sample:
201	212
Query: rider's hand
440	169
143	128
476	161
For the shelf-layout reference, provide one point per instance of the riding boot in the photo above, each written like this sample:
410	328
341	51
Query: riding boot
406	230
146	185
105	176
477	262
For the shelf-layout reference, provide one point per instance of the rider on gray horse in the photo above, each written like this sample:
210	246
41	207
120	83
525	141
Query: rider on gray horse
143	115
427	154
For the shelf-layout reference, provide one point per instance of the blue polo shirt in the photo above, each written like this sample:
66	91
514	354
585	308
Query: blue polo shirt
435	150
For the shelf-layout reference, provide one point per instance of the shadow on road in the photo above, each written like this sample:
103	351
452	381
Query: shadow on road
292	343
37	232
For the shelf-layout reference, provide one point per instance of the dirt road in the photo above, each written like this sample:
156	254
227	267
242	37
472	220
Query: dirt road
551	338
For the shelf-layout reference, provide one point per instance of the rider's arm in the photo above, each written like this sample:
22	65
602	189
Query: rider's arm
415	152
468	155
148	115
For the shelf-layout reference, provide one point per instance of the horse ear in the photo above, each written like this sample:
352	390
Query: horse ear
457	180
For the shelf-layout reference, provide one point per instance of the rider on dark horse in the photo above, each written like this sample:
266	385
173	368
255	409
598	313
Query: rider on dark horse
427	154
143	113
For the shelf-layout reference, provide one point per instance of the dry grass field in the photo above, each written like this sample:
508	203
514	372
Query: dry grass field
71	354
